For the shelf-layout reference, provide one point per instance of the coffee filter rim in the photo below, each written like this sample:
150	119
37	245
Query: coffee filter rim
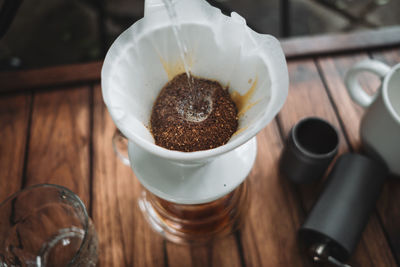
265	117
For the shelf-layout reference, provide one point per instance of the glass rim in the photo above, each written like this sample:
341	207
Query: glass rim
75	196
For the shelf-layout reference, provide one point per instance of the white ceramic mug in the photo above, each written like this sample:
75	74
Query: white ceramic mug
380	126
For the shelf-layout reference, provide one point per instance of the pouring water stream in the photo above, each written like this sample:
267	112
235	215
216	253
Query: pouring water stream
187	109
176	27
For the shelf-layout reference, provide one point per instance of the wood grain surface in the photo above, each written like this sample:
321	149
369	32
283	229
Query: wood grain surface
125	238
269	233
214	254
328	44
63	136
334	71
59	140
45	78
14	118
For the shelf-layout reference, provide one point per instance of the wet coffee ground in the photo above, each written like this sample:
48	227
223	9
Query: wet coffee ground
193	117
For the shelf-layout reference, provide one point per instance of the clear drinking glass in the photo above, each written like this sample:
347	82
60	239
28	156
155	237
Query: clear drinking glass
46	225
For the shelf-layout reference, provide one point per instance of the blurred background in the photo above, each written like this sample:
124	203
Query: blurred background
54	32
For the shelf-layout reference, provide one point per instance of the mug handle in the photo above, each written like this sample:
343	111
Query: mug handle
354	88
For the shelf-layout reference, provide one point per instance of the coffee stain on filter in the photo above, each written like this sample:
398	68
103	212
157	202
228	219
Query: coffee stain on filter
242	102
239	131
174	68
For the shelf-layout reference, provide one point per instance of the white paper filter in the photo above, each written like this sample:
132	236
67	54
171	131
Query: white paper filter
220	48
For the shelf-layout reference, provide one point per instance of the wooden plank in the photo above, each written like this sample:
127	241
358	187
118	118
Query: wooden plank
390	57
334	70
14	117
125	238
59	140
50	76
341	42
221	252
293	48
308	97
269	233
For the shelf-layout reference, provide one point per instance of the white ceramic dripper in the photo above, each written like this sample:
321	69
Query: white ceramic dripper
142	60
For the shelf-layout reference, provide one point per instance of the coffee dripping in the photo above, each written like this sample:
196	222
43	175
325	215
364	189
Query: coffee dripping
250	67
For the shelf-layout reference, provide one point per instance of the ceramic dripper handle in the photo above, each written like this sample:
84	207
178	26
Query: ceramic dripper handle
120	146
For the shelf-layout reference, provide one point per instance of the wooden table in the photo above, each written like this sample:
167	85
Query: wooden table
56	129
